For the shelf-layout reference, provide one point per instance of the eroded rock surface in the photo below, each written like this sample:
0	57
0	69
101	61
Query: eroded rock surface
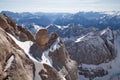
10	26
58	56
14	64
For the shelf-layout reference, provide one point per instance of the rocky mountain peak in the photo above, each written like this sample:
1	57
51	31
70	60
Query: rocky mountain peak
55	55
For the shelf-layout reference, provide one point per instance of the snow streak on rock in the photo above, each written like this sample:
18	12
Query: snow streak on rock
26	46
9	62
45	56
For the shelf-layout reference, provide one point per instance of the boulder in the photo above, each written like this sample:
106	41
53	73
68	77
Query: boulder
42	37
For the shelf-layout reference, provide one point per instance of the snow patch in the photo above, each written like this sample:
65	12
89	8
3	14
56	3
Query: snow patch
80	39
26	46
55	45
9	62
85	37
45	56
46	59
64	78
113	67
105	31
37	27
65	27
59	27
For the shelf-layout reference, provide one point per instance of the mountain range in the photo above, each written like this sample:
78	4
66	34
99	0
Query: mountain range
60	46
24	56
99	20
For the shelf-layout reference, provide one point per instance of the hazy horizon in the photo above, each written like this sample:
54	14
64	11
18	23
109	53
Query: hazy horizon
61	6
57	12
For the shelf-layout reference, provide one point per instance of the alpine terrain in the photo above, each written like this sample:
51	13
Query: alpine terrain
24	56
60	46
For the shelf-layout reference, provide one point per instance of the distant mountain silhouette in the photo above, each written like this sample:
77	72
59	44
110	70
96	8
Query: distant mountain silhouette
99	20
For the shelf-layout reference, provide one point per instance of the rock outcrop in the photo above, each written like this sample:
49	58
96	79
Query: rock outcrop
10	26
24	34
50	73
42	37
14	64
58	56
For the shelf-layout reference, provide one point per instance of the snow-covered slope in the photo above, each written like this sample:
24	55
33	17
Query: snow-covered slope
26	46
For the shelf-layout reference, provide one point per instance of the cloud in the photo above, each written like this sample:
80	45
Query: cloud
59	5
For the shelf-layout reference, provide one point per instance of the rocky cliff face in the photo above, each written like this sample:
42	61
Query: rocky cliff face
18	31
92	50
14	63
24	58
58	57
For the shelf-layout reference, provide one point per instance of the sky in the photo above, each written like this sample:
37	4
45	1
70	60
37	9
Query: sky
59	5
